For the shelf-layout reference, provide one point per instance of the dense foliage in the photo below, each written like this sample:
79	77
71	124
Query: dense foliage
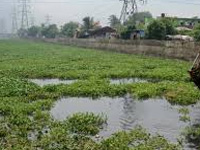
69	29
158	29
50	31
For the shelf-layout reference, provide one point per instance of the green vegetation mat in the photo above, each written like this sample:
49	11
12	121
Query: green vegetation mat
25	121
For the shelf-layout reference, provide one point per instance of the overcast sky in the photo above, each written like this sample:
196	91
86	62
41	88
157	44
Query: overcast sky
62	11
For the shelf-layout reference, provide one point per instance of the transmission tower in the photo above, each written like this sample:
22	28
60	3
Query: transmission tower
47	20
25	10
2	26
14	20
129	8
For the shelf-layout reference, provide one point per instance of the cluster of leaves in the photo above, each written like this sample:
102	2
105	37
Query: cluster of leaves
138	138
88	88
192	134
20	117
135	140
175	92
10	86
85	123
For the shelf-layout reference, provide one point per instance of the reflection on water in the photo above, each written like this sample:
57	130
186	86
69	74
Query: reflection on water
128	80
156	115
131	80
43	82
193	141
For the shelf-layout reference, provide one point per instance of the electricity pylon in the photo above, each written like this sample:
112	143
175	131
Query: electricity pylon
47	20
2	26
129	8
25	10
14	20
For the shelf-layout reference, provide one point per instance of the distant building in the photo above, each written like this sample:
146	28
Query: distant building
103	33
137	34
183	22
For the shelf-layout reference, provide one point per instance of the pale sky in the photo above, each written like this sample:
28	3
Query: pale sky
62	11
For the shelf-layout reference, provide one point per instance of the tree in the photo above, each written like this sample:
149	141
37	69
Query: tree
157	30
114	21
69	29
22	32
88	23
34	31
51	31
138	18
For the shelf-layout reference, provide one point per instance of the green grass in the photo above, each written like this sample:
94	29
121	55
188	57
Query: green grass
24	106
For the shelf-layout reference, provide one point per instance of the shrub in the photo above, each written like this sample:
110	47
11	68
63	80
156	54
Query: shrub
157	30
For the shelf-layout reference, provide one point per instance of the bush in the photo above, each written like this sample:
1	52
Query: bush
51	31
157	30
34	31
69	29
197	33
169	25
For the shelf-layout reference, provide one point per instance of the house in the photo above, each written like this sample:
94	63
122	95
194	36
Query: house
103	33
137	34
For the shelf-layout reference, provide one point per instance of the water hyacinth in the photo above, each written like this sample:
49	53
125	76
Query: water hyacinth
25	106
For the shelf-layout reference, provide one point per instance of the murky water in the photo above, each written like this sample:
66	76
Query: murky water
157	116
43	82
195	121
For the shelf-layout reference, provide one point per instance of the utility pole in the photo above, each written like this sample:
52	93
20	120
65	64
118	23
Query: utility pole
25	10
129	8
14	20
